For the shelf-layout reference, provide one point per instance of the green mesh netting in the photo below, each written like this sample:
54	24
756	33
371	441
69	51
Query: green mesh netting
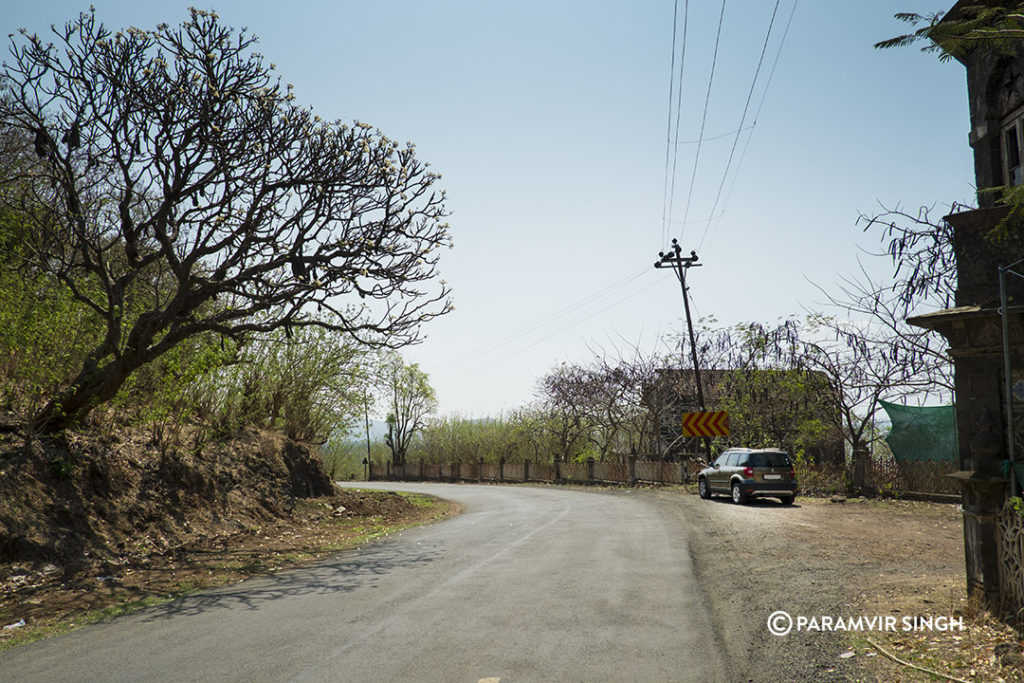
922	434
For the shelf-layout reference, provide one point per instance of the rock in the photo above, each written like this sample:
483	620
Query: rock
837	499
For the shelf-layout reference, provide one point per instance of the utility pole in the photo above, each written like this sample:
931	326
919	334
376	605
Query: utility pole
366	415
680	264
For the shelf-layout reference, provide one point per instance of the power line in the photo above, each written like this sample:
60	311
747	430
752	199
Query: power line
679	111
743	119
713	137
697	220
704	118
573	322
668	132
671	148
764	96
555	317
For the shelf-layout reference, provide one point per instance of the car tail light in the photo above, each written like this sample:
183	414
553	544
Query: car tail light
792	473
748	472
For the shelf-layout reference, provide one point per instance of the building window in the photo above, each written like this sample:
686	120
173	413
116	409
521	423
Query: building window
1013	145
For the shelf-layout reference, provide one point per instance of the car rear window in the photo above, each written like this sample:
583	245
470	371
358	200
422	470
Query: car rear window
768	460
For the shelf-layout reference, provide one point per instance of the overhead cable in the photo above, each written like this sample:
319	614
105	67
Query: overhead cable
704	118
556	317
743	119
764	95
671	151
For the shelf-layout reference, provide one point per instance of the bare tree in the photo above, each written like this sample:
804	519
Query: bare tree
921	251
566	410
186	193
857	369
924	279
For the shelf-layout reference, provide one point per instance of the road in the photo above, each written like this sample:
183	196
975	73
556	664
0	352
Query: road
529	584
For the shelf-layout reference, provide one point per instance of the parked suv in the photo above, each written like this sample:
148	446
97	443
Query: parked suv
745	473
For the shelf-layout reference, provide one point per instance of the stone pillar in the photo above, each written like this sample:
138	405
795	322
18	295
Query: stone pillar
501	468
590	469
479	469
526	470
632	470
974	333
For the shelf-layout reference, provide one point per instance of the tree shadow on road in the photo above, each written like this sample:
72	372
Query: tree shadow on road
340	574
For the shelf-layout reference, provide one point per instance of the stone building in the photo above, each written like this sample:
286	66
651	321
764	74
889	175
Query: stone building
777	408
974	326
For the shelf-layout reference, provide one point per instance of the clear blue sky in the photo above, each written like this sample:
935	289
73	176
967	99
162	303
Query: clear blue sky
549	123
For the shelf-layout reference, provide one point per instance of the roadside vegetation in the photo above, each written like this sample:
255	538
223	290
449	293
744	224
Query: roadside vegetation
201	281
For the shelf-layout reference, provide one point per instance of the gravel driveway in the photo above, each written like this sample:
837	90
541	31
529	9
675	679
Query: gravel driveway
818	557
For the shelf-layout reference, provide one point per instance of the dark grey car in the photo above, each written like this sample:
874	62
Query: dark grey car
745	473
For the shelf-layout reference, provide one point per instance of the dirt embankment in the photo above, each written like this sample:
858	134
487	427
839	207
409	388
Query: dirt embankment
87	521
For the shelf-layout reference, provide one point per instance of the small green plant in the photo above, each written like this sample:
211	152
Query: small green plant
1017	503
62	468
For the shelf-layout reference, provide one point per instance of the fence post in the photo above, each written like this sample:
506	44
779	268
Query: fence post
479	470
526	470
590	469
501	468
387	471
632	470
557	472
860	469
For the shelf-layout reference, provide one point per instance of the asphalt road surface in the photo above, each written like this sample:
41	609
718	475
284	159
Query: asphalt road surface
529	584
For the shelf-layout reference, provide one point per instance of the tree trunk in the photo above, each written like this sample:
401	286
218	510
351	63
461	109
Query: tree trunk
90	389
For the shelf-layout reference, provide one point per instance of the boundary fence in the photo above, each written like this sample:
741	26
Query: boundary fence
886	477
588	472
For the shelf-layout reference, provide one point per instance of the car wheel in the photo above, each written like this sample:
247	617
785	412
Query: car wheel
738	496
702	488
787	500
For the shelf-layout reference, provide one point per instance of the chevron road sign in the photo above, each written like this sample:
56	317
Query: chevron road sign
708	423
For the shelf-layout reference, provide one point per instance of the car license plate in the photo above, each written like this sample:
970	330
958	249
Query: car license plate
773	476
